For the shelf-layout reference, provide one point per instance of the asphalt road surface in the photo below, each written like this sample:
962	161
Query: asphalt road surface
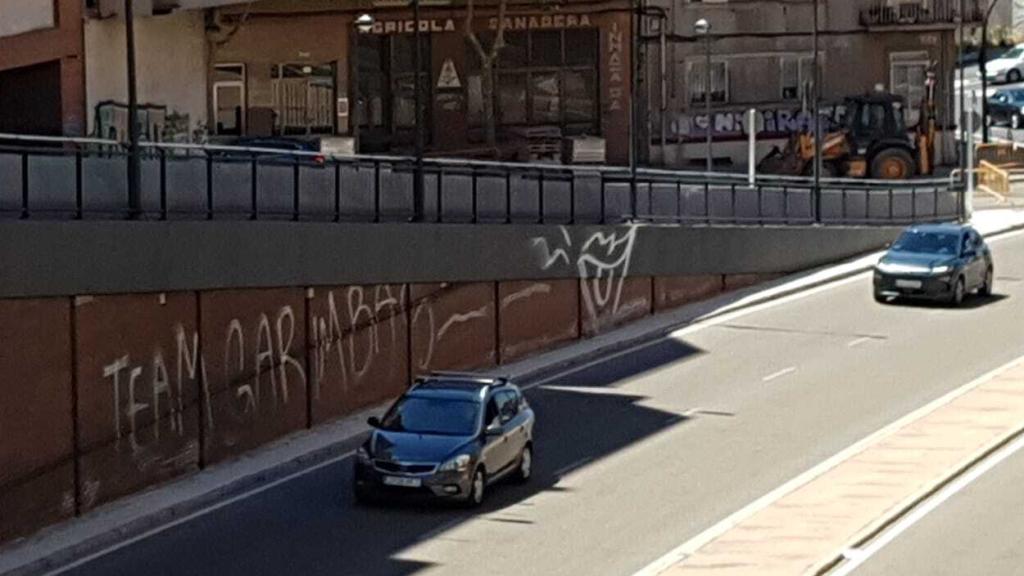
980	530
636	455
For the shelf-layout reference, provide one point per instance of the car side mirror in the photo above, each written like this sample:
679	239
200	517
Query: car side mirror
373	421
493	429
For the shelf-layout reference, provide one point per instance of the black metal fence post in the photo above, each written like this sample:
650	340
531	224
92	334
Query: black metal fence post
163	184
296	187
24	185
209	187
79	200
255	200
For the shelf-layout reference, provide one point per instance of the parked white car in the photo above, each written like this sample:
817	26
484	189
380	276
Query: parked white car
1008	68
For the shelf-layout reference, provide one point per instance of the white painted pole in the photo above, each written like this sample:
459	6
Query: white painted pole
969	173
752	151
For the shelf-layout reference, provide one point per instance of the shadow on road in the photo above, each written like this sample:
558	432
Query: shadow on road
311	526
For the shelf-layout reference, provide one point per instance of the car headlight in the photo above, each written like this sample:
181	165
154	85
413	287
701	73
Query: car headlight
941	269
458	464
363	455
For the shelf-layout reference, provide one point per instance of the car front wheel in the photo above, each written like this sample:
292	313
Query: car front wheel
959	291
477	489
986	288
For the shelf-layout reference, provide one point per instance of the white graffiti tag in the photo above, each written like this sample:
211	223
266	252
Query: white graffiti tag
602	263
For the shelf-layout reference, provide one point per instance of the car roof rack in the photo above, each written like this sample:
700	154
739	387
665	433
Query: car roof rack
494	380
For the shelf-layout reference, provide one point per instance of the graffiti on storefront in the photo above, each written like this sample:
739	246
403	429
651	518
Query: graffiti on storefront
732	124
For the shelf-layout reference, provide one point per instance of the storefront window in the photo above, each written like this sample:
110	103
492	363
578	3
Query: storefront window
543	78
303	98
512	98
546	98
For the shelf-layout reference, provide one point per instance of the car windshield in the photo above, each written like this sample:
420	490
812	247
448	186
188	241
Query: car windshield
1015	53
926	242
442	416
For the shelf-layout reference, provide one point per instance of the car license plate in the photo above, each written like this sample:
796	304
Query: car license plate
908	283
403	482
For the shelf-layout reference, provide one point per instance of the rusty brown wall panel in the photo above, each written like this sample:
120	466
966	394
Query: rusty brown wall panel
254	344
673	291
138	391
609	302
452	326
36	427
358	347
737	281
537	315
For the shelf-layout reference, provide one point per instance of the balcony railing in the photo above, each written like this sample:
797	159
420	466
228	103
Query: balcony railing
930	13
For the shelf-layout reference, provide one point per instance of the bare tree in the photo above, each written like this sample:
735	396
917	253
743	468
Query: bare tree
488	60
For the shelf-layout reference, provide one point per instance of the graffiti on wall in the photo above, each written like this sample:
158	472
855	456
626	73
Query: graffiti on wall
733	124
359	329
601	261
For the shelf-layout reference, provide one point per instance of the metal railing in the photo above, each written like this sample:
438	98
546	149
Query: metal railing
87	179
920	13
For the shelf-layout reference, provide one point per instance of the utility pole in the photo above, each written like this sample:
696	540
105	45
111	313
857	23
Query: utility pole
134	160
816	118
982	71
417	191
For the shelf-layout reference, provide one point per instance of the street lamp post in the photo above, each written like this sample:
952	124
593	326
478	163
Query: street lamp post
703	29
134	160
363	25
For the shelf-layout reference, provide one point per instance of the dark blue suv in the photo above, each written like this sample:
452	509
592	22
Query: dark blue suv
935	261
449	436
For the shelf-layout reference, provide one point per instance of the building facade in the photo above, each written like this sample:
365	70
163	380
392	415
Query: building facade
286	69
42	76
762	58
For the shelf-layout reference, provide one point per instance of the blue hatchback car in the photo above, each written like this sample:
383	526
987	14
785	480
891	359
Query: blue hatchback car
942	262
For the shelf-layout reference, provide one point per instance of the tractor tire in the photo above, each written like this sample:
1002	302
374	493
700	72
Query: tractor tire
892	164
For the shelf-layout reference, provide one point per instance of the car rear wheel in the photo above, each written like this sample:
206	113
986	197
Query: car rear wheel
959	291
1013	76
525	465
986	288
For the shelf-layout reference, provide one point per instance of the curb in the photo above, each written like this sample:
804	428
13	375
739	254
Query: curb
865	537
163	516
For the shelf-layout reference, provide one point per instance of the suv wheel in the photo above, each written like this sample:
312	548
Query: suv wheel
986	288
959	291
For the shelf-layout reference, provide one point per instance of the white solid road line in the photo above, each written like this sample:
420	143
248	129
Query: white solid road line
693	544
779	374
199	513
856	557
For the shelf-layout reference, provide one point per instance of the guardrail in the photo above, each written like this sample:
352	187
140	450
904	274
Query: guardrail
87	179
